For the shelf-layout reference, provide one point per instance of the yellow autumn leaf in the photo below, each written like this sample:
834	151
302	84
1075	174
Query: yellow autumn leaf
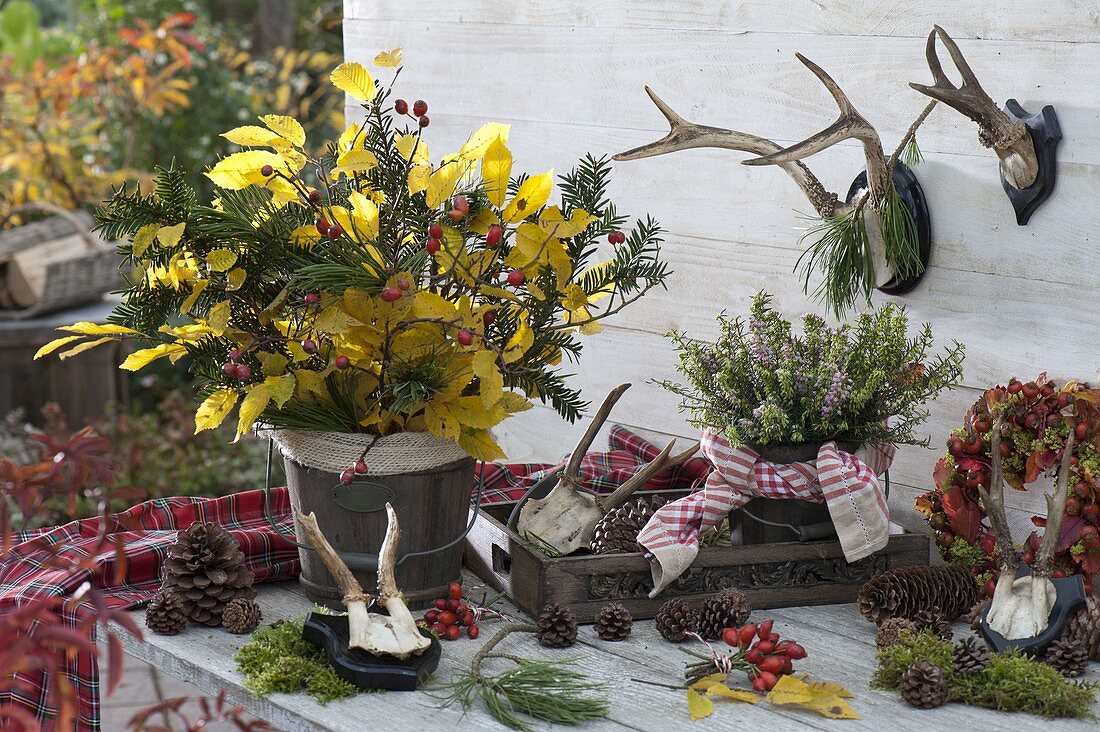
514	403
351	137
354	161
189	301
480	142
143	238
218	318
235	279
364	215
86	345
305	236
699	707
255	401
251	136
496	166
140	359
441	183
531	196
413	149
427	304
221	260
54	345
790	690
354	80
86	328
492	381
242	169
273	364
214	409
311	382
285	127
388	59
419	175
828	687
553	220
480	445
741	695
333	321
520	341
831	706
169	236
281	388
472	413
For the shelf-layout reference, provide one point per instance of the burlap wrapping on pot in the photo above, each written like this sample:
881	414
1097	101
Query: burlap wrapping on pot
403	452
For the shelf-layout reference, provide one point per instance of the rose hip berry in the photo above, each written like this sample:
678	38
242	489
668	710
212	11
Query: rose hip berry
448	617
764	630
322	226
493	236
440	604
747	634
360	467
335	231
347	475
432	246
472	631
311	299
516	278
454	591
229	368
765	681
390	294
309	346
431	616
401	106
342	361
423	121
1081	430
1031	390
435	231
489	318
267	171
242	372
315	196
420	108
465	337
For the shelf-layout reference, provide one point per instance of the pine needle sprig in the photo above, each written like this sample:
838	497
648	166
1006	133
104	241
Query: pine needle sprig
550	691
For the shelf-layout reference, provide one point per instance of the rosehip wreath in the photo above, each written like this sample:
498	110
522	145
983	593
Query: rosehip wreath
1034	437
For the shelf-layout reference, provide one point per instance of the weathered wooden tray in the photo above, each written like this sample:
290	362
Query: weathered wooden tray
772	575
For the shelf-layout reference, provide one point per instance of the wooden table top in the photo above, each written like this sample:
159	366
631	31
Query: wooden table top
840	645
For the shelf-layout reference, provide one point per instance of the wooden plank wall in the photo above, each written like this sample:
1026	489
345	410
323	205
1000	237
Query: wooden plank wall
568	76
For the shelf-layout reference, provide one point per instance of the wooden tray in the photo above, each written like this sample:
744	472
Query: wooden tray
772	575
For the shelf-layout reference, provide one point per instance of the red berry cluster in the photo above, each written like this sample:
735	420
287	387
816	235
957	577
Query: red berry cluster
347	475
419	110
762	654
324	228
450	615
616	237
234	370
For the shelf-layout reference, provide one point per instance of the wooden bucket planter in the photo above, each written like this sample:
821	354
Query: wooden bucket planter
772	575
431	505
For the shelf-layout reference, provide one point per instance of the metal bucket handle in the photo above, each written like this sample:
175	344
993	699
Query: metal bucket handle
809	532
364	561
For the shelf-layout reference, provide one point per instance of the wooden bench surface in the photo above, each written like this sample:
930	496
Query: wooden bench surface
840	645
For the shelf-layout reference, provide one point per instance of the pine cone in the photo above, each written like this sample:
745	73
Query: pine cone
675	620
923	685
618	530
977	610
206	567
1068	656
241	615
970	656
557	627
906	591
166	614
890	631
932	620
730	608
613	622
1084	628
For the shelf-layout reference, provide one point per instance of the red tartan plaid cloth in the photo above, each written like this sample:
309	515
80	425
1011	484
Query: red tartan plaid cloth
30	572
146	530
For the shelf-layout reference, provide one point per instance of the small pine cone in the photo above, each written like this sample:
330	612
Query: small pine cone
730	608
1084	628
675	620
557	627
241	615
974	617
923	685
1068	656
970	656
618	530
932	621
890	631
613	622
166	614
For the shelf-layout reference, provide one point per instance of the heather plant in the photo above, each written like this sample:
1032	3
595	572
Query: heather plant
761	383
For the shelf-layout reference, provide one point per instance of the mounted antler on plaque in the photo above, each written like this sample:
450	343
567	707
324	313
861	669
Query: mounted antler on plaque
878	237
1024	142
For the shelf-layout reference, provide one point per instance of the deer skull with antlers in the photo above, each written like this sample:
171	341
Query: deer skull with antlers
895	255
565	520
1021	606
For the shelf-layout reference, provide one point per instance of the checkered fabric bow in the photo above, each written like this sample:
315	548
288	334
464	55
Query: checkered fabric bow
847	483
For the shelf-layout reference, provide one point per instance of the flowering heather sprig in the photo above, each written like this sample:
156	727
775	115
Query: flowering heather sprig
764	384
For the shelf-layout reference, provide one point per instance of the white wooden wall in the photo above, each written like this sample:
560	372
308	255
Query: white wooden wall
568	75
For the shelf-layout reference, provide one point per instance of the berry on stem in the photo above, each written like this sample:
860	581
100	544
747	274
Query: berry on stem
493	236
322	226
465	337
311	299
243	373
235	354
424	121
342	361
347	475
435	231
420	108
516	278
472	632
401	106
335	231
360	467
309	346
315	196
489	318
390	294
267	171
229	368
461	203
432	246
454	591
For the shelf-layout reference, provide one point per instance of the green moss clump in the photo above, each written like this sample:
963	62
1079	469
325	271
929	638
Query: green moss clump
278	660
1012	683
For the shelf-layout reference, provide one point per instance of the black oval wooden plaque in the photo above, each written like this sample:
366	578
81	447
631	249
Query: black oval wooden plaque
362	496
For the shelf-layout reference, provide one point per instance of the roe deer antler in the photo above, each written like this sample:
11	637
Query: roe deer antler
1009	138
684	135
566	519
394	634
1021	606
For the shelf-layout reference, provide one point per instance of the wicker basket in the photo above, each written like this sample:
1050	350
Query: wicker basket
53	264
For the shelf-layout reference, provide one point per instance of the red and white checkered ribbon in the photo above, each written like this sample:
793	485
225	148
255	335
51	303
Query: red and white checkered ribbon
847	483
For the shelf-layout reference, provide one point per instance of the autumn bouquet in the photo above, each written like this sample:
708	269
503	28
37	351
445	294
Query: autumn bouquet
761	383
373	289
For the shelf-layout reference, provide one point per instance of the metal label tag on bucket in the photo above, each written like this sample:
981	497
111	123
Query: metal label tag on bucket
362	496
